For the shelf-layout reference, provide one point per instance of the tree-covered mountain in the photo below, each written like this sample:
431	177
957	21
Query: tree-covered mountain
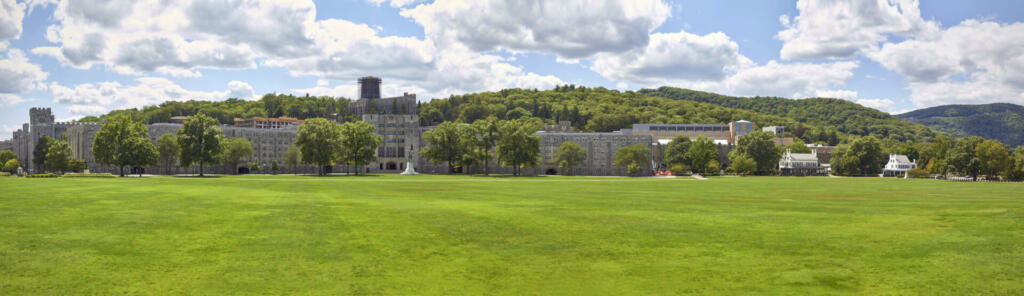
271	105
847	117
1000	121
826	121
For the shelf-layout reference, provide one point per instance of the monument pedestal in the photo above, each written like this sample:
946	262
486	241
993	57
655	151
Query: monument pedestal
409	170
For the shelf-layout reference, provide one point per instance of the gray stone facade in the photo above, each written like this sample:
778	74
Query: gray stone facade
400	134
406	104
601	149
396	120
41	124
730	132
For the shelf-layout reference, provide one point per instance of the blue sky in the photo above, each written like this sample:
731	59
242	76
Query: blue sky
89	57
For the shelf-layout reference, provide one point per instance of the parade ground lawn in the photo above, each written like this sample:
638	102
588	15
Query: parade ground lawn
401	235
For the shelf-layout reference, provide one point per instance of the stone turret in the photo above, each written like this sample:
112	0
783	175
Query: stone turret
40	116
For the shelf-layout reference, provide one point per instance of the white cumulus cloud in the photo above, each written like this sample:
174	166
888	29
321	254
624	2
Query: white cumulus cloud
11	15
97	98
973	62
568	28
181	38
713	63
18	75
845	28
674	56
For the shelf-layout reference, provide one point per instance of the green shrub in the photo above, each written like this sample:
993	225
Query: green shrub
99	175
679	169
5	174
46	175
917	173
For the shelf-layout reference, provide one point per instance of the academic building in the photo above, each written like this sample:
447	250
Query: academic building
396	120
664	131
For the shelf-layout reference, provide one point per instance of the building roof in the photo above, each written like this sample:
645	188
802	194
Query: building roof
700	125
899	158
803	157
278	119
616	133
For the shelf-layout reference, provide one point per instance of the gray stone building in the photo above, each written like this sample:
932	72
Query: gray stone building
400	134
80	138
601	149
370	101
395	119
730	132
41	124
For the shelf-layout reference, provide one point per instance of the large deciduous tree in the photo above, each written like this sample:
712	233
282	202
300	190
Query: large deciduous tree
359	144
168	149
58	155
1014	171
759	146
569	156
472	154
444	143
675	151
292	158
962	158
141	153
319	142
6	155
863	157
39	152
519	145
114	143
701	153
200	141
487	131
993	156
741	164
236	151
633	158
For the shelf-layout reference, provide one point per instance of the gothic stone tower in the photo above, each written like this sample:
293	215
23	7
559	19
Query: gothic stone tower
369	87
41	123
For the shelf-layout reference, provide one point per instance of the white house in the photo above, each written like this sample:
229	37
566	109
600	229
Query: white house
898	165
800	164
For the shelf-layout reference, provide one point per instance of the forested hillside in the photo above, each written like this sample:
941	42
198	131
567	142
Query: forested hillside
588	109
846	116
826	121
1000	121
271	105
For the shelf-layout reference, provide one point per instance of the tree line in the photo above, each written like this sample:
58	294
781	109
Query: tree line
513	143
225	112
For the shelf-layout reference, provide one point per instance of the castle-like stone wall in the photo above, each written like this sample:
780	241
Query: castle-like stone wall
601	149
406	104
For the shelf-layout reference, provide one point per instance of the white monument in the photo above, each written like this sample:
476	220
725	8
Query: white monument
408	163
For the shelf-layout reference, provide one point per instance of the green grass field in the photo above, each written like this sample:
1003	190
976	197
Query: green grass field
501	235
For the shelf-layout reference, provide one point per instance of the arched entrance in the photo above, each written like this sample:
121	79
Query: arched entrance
243	170
392	166
551	171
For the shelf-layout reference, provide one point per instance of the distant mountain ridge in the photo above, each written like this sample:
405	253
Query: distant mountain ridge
1000	121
